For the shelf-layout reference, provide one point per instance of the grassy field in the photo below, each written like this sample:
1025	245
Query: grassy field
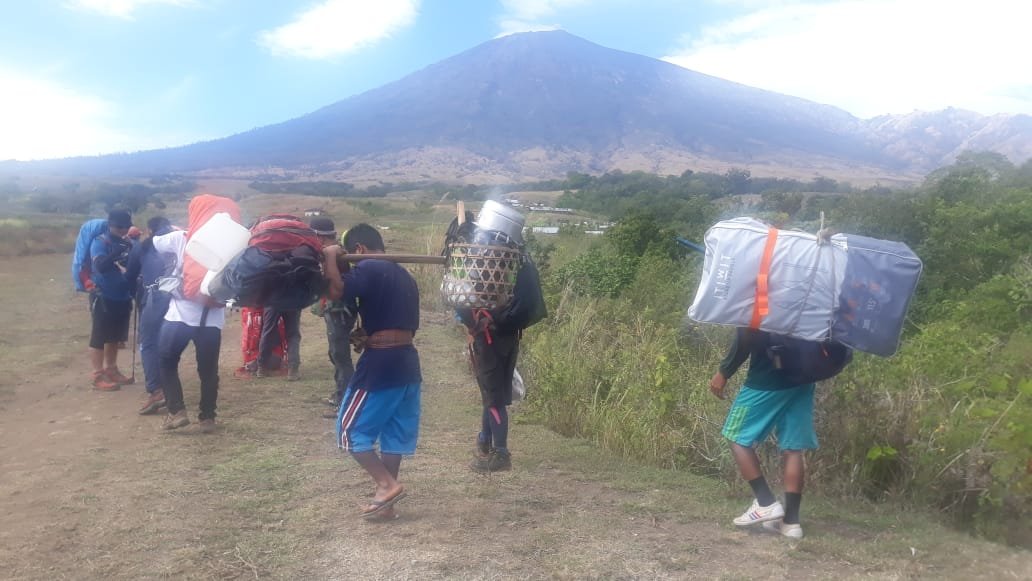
91	490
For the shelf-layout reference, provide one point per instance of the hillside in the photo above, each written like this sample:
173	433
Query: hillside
540	104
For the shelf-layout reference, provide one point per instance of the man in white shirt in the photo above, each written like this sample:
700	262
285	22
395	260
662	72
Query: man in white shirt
197	320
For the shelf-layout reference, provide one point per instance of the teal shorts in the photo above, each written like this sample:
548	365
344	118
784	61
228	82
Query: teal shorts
786	412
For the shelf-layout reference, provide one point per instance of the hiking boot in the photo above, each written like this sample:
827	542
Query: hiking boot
155	402
792	531
483	449
759	514
102	383
115	376
243	373
175	421
496	461
293	374
208	426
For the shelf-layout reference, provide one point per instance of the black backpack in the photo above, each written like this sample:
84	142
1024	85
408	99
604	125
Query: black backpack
804	362
281	268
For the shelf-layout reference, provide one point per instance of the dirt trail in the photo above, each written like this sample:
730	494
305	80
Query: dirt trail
89	489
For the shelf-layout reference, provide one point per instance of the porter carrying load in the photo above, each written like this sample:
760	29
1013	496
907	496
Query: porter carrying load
851	289
483	258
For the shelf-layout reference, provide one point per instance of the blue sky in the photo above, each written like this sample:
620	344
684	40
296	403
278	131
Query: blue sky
98	76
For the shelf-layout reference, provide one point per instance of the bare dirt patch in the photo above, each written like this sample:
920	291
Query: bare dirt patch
89	489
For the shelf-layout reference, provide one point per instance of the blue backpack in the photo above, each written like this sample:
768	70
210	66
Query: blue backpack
81	260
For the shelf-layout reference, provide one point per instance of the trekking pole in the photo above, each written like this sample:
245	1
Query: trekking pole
136	310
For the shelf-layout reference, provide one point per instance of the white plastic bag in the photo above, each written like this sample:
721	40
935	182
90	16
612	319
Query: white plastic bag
519	389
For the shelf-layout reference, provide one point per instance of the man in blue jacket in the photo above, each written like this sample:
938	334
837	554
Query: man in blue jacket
146	265
111	302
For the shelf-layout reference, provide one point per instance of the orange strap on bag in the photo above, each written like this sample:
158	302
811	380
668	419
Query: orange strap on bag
761	307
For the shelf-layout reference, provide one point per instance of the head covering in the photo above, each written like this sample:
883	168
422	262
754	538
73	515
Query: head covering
134	232
120	219
323	226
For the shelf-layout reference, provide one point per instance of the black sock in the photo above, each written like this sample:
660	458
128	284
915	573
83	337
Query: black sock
761	491
498	419
792	502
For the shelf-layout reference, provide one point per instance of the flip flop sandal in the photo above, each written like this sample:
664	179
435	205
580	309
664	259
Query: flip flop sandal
378	506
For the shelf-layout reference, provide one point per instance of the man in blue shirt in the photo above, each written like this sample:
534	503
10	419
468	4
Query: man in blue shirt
111	302
381	403
146	265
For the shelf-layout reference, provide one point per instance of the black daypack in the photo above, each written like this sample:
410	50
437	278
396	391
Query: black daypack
256	278
281	268
804	362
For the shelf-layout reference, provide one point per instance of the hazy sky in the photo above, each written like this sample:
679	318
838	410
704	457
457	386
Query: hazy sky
99	76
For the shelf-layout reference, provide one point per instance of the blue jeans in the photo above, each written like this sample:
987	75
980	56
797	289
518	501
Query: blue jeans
175	336
152	317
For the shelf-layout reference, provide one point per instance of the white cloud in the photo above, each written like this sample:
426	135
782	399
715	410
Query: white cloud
337	27
42	119
872	57
529	15
122	8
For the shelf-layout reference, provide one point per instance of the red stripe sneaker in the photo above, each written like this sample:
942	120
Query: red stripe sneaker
759	514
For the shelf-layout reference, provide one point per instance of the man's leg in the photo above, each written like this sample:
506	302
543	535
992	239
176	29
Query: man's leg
99	335
117	315
269	337
207	343
749	466
97	360
111	356
338	333
795	467
174	338
292	329
151	320
387	486
751	419
796	434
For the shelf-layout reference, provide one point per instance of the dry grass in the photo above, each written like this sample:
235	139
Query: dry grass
92	490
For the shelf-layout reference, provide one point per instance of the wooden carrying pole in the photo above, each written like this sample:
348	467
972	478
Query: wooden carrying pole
401	258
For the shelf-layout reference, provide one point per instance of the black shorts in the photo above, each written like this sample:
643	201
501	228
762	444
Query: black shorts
494	363
110	321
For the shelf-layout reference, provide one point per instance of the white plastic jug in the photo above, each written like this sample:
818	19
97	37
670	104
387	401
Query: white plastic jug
217	242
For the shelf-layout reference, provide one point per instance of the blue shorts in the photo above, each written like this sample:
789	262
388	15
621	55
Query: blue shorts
389	415
787	412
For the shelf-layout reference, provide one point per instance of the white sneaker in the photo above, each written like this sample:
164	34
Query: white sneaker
793	531
759	514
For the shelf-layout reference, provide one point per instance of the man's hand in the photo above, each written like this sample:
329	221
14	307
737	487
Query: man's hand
716	385
331	252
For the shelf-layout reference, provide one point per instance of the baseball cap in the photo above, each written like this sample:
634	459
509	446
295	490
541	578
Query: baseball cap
323	226
120	219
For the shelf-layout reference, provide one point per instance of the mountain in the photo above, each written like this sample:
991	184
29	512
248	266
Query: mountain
928	140
539	104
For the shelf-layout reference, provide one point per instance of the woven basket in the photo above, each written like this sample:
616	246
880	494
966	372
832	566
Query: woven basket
478	276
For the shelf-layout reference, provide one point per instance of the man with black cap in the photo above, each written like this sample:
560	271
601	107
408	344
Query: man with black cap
340	319
111	302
